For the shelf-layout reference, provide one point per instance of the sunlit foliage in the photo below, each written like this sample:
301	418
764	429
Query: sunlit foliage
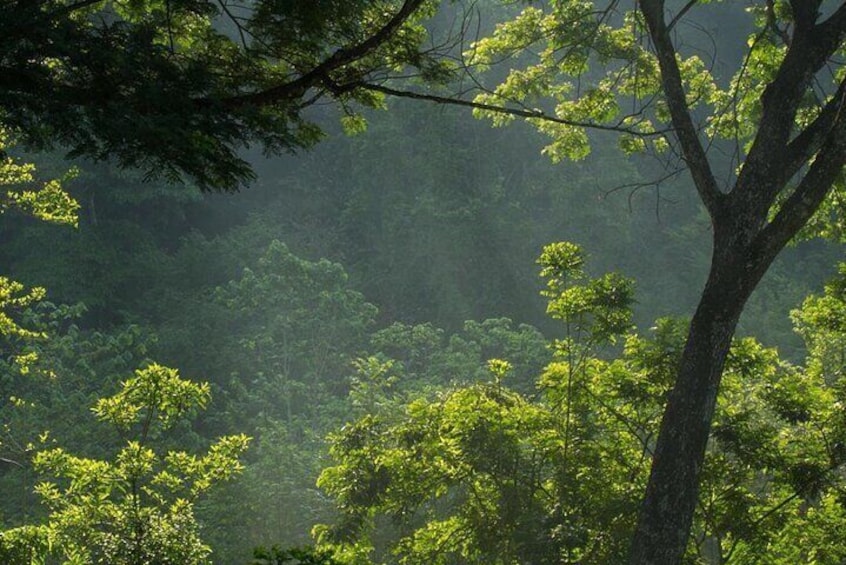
483	474
136	507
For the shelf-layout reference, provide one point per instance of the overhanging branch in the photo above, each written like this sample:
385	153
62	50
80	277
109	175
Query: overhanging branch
518	112
296	88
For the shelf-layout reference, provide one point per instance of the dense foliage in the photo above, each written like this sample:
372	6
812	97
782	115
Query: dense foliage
277	335
178	87
138	507
368	313
484	474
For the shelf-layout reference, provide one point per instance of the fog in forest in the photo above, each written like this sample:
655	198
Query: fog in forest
384	282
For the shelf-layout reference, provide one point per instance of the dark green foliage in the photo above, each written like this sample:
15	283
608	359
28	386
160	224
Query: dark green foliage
424	355
179	87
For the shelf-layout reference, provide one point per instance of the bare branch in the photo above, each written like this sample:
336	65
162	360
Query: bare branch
682	12
10	462
808	142
808	195
236	22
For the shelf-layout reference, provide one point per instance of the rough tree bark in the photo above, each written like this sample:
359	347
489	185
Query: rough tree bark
671	495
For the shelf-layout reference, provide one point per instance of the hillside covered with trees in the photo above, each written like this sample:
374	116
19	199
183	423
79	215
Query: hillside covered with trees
411	282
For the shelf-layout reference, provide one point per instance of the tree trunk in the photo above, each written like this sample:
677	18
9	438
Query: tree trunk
667	512
746	240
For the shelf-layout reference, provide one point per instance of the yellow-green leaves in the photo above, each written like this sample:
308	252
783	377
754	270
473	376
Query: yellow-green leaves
499	368
555	49
138	506
49	203
13	172
450	452
561	264
569	142
354	124
220	463
567	465
596	310
509	38
584	65
154	394
821	321
737	109
15	297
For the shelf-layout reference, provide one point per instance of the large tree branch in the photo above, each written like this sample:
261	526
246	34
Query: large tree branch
834	22
296	88
809	49
805	12
805	145
692	148
806	199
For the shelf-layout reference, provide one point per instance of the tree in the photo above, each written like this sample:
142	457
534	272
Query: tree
285	330
178	86
483	474
137	508
778	117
